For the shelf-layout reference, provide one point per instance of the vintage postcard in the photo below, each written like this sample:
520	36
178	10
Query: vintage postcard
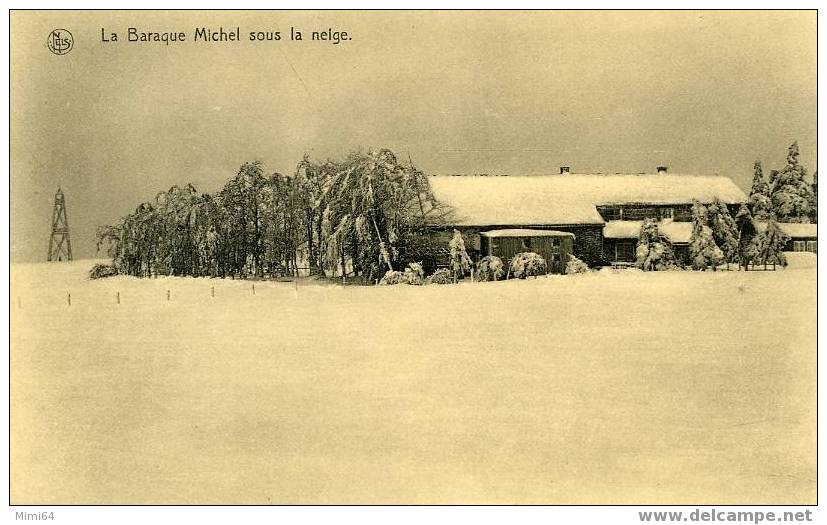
413	257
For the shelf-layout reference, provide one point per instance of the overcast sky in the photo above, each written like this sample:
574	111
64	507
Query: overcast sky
514	93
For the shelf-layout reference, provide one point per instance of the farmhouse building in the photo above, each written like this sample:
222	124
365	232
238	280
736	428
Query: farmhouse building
601	213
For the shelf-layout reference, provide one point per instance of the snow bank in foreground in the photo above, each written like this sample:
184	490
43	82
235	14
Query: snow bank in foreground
798	260
627	387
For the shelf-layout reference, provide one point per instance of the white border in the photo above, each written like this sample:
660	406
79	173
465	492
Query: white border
357	515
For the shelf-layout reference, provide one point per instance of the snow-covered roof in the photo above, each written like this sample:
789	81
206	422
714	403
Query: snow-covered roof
622	229
523	232
675	232
570	199
793	229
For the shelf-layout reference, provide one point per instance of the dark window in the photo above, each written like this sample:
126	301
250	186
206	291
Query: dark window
683	214
555	246
625	251
611	214
526	241
812	246
799	246
639	213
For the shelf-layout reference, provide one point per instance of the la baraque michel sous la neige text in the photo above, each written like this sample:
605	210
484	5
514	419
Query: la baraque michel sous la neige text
212	35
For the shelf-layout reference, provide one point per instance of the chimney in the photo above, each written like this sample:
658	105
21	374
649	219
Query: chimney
662	170
564	170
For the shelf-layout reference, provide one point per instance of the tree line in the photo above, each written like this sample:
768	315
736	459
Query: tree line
717	238
363	215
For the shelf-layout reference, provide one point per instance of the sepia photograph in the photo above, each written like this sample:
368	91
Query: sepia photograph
413	257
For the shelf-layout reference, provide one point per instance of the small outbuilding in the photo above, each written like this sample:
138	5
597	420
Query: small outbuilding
552	245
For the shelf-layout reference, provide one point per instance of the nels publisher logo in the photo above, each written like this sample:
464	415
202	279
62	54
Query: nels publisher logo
60	41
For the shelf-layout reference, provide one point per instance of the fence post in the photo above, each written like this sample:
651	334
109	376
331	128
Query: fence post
212	291
167	295
254	288
69	298
118	297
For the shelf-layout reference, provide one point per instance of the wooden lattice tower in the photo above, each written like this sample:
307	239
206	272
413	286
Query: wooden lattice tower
60	247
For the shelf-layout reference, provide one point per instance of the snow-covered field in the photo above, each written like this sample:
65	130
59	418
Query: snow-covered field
611	387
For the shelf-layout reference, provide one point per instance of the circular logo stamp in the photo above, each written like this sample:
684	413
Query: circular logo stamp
60	41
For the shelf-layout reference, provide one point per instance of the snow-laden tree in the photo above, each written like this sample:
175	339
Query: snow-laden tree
459	260
112	238
142	233
724	230
373	205
768	246
361	212
703	252
249	227
791	195
177	209
415	274
441	276
746	232
392	277
575	265
490	268
242	199
282	217
759	201
159	238
311	179
526	264
653	253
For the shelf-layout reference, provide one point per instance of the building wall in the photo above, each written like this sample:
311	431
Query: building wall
588	243
507	247
588	240
638	212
